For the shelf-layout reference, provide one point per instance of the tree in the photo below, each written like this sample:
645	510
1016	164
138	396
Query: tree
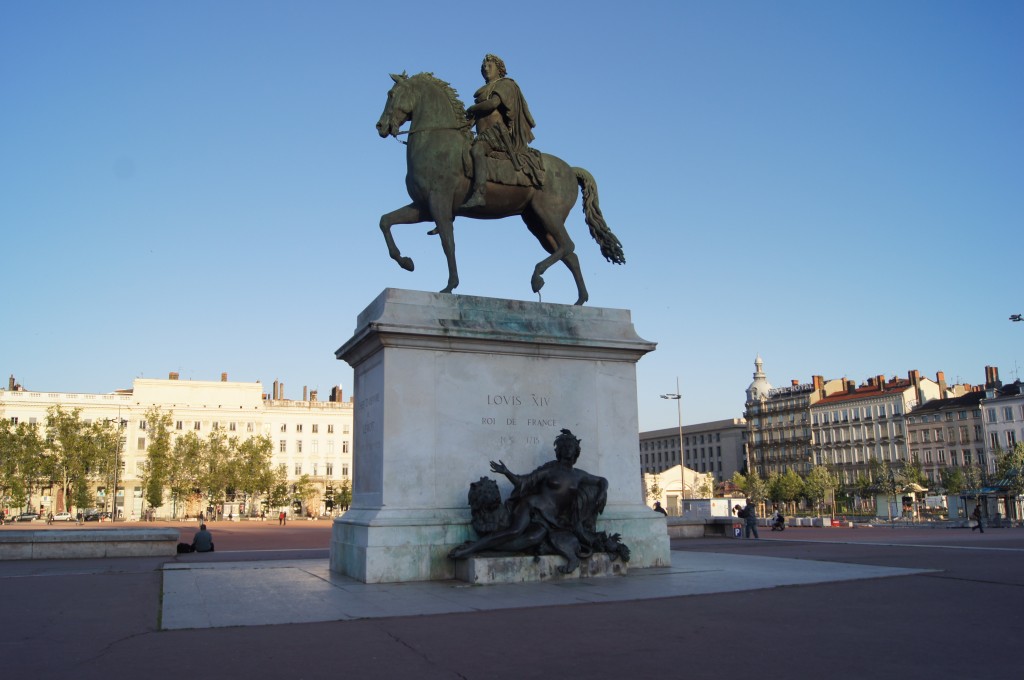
254	472
343	496
1010	468
21	461
277	491
954	480
305	493
706	486
655	490
791	487
818	483
158	456
182	476
216	472
79	453
753	486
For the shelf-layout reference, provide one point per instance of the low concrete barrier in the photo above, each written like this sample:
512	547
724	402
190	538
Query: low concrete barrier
701	528
51	544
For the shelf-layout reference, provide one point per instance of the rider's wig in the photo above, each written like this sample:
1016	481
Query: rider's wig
497	62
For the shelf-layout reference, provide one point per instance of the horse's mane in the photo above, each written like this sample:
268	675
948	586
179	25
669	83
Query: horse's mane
458	108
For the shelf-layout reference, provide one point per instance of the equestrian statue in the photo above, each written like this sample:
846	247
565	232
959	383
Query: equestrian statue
451	173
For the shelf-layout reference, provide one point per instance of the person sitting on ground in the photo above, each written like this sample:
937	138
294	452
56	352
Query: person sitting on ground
203	540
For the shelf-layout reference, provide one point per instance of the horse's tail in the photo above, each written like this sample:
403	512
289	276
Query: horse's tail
610	246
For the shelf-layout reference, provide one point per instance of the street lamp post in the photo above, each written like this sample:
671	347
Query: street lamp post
677	396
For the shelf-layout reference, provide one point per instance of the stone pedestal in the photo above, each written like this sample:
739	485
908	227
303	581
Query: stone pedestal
485	571
444	384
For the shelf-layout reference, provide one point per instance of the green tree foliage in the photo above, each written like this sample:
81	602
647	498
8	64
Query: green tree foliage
754	487
1010	468
953	480
253	473
818	483
216	474
158	456
21	461
306	492
79	454
343	496
184	467
278	493
655	490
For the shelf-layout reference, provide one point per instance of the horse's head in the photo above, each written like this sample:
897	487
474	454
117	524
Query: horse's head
398	108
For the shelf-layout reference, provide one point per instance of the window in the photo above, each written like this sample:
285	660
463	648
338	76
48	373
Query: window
298	469
329	469
141	444
282	446
142	424
344	469
949	415
298	428
284	427
179	425
248	427
215	426
316	468
344	447
231	426
298	446
316	428
1011	439
14	420
196	425
991	415
1008	414
316	446
961	415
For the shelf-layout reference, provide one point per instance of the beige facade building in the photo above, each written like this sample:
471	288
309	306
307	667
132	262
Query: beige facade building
945	433
852	427
778	432
310	437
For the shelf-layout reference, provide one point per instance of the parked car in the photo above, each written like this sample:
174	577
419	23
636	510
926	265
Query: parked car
63	517
26	517
96	516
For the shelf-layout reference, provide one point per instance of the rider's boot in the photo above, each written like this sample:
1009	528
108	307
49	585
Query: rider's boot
478	198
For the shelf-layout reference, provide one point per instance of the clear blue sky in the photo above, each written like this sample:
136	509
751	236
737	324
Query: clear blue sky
196	187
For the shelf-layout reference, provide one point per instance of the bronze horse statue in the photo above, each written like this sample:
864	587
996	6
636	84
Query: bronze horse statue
438	181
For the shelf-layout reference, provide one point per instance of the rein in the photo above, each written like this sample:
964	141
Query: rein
464	126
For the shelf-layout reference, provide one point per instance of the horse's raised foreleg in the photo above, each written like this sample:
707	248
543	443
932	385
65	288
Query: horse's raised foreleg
441	209
409	214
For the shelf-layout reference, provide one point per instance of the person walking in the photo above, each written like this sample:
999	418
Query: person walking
749	515
976	516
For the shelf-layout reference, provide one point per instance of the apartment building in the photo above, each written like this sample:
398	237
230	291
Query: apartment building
310	437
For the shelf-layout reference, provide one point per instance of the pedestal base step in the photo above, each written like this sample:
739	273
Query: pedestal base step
485	570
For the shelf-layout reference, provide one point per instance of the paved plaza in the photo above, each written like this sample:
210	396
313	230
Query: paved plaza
845	603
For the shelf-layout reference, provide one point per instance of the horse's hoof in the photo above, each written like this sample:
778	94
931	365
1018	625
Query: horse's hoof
537	282
406	263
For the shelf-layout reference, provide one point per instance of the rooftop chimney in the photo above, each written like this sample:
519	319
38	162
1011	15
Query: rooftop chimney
277	391
173	375
336	395
940	378
305	393
312	395
851	386
223	377
992	377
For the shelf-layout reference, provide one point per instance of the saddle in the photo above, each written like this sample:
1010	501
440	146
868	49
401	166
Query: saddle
501	169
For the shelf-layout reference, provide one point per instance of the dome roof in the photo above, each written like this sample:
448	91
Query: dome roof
758	389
